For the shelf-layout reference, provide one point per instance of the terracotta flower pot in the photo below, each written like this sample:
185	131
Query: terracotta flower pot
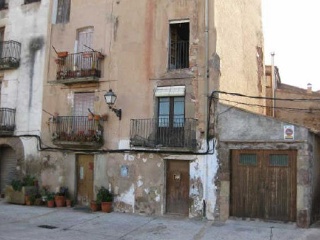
62	54
95	206
68	202
106	207
60	201
50	203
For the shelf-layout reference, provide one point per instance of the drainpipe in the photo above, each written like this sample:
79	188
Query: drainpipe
273	81
205	95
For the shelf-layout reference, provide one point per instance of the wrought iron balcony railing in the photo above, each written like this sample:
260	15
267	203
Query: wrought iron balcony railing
7	121
79	65
77	129
179	55
162	132
9	54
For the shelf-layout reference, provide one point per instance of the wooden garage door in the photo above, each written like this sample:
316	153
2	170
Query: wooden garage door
263	184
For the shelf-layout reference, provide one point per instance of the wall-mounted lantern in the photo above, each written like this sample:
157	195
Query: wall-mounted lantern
110	98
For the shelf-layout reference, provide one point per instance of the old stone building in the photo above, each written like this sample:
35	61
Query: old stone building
23	34
162	59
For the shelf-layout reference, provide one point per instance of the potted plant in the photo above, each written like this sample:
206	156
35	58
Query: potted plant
68	202
50	199
95	205
105	197
60	197
62	54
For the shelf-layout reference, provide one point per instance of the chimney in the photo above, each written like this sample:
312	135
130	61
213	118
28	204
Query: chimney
309	88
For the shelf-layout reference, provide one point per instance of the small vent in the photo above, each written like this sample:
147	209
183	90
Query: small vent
248	159
47	226
279	160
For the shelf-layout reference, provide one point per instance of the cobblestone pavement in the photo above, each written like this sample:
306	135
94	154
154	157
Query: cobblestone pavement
41	223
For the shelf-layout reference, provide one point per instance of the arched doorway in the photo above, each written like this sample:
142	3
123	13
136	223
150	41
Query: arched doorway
8	167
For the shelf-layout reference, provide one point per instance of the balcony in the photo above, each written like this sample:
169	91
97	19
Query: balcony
158	133
77	131
9	55
7	121
79	67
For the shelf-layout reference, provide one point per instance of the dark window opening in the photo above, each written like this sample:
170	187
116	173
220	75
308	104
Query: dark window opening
31	1
179	46
3	4
63	11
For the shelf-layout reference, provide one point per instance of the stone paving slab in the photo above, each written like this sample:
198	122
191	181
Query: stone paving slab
22	222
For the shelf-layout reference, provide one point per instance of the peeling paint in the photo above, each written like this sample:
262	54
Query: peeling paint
139	183
128	157
144	160
159	164
127	197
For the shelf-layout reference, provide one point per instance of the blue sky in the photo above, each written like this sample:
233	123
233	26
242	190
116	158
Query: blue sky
292	31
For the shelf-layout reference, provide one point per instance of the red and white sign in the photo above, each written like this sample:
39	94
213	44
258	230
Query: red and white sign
288	131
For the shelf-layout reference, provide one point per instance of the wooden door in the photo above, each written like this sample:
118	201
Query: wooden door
263	184
8	167
177	183
85	166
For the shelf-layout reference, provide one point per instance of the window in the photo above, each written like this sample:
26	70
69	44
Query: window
31	1
179	45
171	121
83	102
171	112
63	11
84	39
3	4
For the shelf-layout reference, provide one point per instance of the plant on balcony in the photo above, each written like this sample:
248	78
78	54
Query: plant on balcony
62	54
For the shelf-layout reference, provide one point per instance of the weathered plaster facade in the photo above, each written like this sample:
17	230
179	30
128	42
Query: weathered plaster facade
22	87
135	38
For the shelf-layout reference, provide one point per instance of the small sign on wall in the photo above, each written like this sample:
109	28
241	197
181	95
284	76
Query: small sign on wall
124	171
288	131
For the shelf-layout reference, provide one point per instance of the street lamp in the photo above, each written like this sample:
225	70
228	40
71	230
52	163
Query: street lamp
110	98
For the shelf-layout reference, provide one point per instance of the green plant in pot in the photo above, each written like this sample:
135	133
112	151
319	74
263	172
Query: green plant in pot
105	197
50	199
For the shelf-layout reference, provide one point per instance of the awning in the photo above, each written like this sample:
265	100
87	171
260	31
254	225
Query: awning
173	91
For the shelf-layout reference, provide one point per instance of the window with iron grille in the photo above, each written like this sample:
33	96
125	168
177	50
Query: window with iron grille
179	45
63	11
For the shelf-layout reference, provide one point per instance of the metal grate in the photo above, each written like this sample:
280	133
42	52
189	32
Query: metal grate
279	160
47	226
248	159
